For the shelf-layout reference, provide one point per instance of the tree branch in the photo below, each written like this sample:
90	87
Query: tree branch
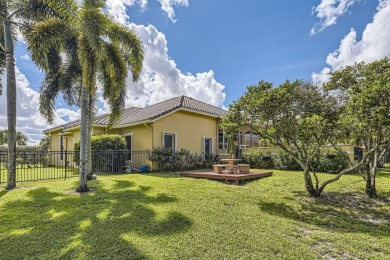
338	176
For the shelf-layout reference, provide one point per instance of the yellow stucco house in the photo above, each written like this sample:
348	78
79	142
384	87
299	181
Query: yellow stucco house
180	122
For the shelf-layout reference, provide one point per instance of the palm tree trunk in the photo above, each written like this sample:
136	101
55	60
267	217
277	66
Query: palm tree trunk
11	105
84	140
90	118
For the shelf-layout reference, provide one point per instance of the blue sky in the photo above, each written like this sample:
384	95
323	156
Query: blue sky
212	50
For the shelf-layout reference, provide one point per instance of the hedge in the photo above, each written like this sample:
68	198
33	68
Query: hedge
165	159
109	153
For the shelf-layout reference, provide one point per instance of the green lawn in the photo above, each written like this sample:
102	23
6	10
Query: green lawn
157	216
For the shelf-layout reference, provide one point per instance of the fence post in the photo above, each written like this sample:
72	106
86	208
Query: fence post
66	162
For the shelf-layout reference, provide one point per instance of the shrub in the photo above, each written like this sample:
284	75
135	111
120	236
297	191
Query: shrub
166	160
254	158
322	163
109	153
284	161
334	165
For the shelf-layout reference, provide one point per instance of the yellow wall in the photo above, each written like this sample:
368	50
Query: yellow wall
189	129
141	136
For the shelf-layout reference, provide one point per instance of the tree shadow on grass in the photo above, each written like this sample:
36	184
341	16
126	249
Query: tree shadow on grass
339	212
91	225
3	192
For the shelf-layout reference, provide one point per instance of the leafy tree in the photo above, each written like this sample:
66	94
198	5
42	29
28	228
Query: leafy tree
296	117
21	139
97	50
15	14
364	91
44	144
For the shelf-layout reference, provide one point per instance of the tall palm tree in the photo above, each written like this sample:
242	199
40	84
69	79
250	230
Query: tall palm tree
79	50
12	12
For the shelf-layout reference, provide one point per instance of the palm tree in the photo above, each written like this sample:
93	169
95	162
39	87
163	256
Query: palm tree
96	51
27	11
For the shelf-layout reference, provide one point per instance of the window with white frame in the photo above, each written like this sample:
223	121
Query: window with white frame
169	141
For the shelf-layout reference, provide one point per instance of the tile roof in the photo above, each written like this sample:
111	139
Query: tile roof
132	115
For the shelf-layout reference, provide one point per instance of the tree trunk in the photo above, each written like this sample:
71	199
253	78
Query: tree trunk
371	184
90	117
84	140
313	192
11	105
371	176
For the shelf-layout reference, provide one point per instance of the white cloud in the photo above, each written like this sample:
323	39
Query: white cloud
25	57
117	8
29	121
161	79
328	11
374	44
167	7
68	114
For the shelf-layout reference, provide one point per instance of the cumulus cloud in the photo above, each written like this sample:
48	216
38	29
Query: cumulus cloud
161	79
328	11
29	121
167	7
117	8
374	44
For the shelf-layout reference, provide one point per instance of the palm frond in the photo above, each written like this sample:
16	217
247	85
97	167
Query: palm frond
71	80
38	10
92	24
50	88
116	106
2	39
88	60
45	36
131	46
3	10
115	69
93	4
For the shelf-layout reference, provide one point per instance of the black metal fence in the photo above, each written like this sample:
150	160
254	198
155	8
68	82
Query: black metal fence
43	165
117	161
385	163
40	165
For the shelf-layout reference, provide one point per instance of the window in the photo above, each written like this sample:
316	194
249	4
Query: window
129	140
208	145
169	141
222	141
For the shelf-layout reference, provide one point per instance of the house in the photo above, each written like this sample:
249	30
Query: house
180	122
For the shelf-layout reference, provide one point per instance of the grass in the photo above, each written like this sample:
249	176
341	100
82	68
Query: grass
39	173
165	216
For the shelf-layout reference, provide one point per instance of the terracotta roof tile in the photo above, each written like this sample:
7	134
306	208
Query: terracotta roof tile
133	115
